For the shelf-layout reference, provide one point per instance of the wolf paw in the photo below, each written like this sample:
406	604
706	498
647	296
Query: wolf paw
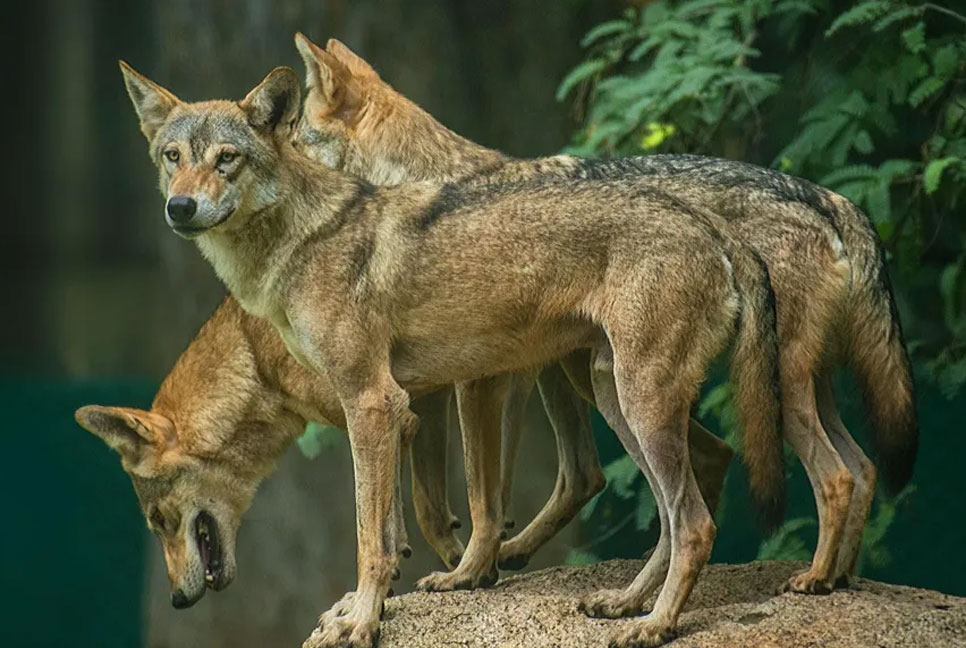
805	583
844	581
643	634
339	609
513	559
457	580
610	604
344	632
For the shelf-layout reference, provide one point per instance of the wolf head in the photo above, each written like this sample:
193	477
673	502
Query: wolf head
214	432
353	121
217	160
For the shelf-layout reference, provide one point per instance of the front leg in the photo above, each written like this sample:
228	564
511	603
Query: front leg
480	406
378	418
380	426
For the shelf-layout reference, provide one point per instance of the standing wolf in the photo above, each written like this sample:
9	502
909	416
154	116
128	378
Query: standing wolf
392	291
834	300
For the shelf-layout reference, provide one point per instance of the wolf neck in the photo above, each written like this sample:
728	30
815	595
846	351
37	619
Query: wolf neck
251	258
404	143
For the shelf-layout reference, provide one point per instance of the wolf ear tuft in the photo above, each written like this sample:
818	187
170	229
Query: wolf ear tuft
323	72
131	432
152	103
274	103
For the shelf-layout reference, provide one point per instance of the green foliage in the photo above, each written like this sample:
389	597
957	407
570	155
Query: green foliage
786	544
317	438
866	98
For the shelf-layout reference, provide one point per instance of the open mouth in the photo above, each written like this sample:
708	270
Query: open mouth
209	544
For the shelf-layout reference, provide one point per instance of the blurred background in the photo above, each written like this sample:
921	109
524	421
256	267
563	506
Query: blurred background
868	98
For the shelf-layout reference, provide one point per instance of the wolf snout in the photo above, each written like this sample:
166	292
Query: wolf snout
181	209
179	601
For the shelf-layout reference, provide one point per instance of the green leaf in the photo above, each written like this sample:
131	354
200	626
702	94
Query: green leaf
605	29
646	510
621	475
862	13
945	62
318	437
897	16
582	71
579	557
915	38
863	142
854	172
785	544
925	90
879	202
934	171
794	7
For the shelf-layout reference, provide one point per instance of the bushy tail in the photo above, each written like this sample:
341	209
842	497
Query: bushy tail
876	352
755	381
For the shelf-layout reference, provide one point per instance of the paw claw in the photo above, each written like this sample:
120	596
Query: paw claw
456	580
610	604
805	583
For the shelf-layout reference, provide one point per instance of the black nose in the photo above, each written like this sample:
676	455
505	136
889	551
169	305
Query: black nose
181	209
179	600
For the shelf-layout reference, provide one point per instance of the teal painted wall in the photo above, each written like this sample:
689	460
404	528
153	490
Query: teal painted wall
73	542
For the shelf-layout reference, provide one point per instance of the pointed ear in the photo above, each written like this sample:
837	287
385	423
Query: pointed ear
274	102
356	64
323	72
152	102
131	432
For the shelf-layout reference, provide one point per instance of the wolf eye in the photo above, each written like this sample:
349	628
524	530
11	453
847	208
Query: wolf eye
227	157
172	155
157	520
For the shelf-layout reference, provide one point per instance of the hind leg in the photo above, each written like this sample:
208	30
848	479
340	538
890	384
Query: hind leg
832	482
863	472
629	601
655	404
479	403
427	457
579	476
519	388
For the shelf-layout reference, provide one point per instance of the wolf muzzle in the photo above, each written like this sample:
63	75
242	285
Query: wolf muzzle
181	209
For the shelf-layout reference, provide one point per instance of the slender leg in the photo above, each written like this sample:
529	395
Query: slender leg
428	461
479	403
863	472
832	483
630	601
520	386
378	418
656	409
579	476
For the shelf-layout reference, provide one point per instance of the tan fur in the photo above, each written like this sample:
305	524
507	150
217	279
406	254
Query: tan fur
832	290
392	291
219	423
386	139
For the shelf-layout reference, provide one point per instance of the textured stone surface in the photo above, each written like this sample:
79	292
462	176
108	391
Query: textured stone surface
732	605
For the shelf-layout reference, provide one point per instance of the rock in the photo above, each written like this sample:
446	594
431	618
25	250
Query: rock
733	606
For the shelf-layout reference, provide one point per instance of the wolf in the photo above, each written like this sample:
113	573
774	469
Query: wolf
834	300
218	426
395	291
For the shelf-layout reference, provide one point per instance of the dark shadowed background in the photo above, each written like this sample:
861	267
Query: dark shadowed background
100	297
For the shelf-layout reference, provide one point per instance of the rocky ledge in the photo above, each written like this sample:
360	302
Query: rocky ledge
732	605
